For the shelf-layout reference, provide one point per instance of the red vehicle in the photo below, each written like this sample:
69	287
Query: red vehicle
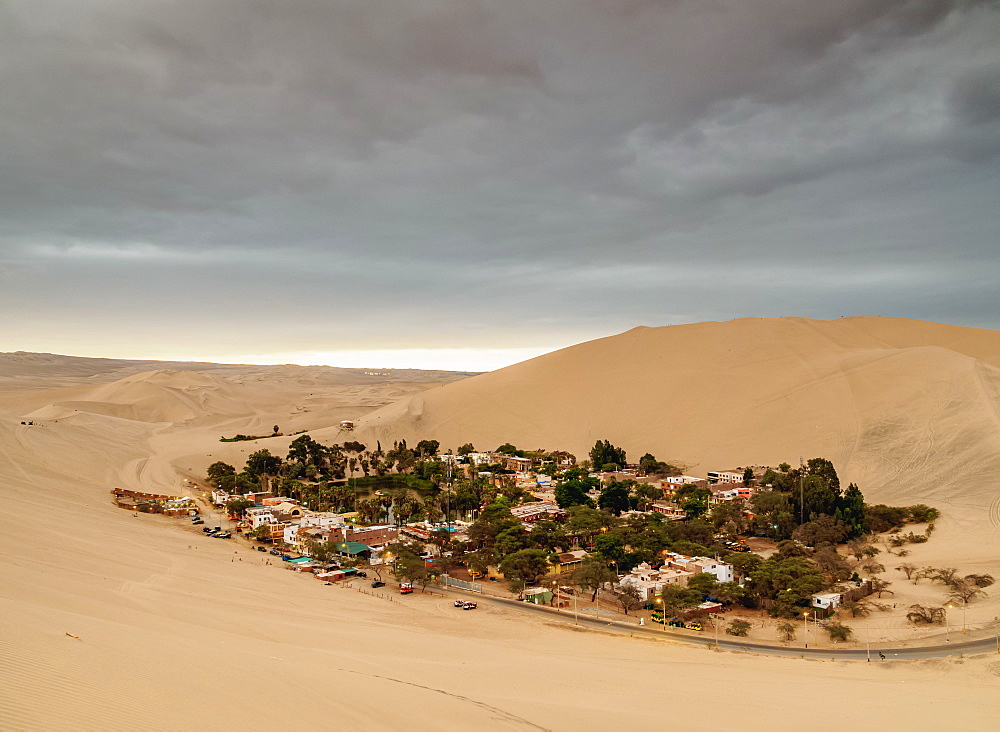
469	606
405	588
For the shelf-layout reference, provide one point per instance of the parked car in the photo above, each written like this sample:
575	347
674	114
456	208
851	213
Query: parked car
377	584
363	575
459	603
693	625
262	549
469	606
405	588
274	551
196	522
223	535
208	530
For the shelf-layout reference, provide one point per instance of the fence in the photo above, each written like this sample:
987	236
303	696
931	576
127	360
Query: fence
461	584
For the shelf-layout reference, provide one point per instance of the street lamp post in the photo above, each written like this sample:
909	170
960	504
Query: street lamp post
965	606
805	628
663	614
947	624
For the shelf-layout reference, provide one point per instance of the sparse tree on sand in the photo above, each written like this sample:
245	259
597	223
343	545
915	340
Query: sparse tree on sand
838	631
786	630
628	597
925	615
738	628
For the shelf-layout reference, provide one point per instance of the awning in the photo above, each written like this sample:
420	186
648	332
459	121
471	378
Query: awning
352	547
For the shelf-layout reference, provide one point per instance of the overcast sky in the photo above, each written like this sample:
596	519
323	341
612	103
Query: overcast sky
288	180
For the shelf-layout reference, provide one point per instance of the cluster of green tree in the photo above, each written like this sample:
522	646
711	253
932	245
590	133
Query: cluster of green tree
649	465
408	566
882	518
616	496
605	456
692	499
623	543
309	471
781	584
244	438
807	503
392	482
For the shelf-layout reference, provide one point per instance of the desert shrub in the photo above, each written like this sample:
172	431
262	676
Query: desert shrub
965	591
922	514
883	518
786	630
739	628
837	630
980	580
925	615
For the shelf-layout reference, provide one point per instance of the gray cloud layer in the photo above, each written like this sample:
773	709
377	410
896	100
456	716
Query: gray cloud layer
316	174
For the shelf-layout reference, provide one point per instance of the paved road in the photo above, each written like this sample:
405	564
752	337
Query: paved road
988	644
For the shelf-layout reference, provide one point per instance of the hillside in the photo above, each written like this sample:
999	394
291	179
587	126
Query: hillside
907	408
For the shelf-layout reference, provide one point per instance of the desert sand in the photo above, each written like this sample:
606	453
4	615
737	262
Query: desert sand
115	621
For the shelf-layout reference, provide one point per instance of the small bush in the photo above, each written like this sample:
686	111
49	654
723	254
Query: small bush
738	628
786	630
925	615
838	631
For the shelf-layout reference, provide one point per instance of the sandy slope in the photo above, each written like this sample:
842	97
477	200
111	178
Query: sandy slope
908	409
178	631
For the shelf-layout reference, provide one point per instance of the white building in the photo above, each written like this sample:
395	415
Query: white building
651	581
725	476
723	572
321	518
827	600
680	480
261	515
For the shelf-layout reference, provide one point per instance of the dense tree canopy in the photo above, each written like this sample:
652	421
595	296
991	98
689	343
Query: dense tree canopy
217	470
573	493
789	581
604	453
527	565
263	462
614	498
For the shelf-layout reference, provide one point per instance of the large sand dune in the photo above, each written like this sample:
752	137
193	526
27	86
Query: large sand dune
906	408
175	631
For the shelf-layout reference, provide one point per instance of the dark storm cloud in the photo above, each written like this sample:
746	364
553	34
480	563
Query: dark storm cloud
430	172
